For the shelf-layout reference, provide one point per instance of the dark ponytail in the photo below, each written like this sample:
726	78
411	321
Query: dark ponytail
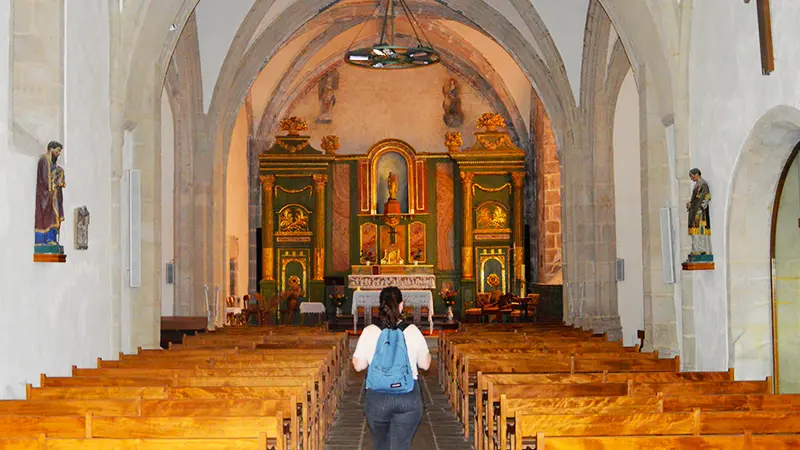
389	310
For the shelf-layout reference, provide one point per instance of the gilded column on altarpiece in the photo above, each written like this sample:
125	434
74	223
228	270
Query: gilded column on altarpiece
467	180
267	228
319	229
518	179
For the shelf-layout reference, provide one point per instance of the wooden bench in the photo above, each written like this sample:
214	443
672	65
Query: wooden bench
461	390
733	442
680	423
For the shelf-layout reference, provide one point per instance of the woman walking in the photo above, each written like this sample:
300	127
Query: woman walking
392	351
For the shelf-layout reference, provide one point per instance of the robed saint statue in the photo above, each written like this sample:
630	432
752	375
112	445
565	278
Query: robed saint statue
391	183
49	212
699	219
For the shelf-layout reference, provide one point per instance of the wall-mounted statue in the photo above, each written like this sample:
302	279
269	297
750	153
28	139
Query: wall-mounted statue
49	213
82	228
699	219
453	116
327	87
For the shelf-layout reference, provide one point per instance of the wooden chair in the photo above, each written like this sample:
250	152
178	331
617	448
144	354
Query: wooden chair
526	307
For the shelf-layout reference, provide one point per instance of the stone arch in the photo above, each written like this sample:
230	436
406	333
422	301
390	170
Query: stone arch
747	241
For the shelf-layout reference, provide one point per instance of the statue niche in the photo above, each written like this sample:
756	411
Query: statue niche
391	176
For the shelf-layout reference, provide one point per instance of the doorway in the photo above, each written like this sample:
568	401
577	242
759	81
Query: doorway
785	258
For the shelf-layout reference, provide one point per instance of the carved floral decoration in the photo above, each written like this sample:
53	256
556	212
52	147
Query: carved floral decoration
492	217
330	144
293	125
491	121
453	141
293	220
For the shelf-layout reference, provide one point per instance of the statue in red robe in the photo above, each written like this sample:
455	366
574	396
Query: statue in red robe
49	213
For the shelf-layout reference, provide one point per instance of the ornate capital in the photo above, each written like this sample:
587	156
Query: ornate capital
467	178
320	181
518	178
267	182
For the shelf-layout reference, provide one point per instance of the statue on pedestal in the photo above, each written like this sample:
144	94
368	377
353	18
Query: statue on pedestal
49	211
391	182
699	220
392	206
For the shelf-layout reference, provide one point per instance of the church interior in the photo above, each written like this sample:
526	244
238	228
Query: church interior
221	190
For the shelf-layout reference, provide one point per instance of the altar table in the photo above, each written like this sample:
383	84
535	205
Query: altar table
368	299
311	308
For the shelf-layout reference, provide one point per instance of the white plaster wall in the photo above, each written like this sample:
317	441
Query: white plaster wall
217	24
167	202
57	315
265	83
411	110
515	79
728	96
628	199
236	203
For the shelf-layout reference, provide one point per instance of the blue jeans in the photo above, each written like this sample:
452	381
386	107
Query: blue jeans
393	419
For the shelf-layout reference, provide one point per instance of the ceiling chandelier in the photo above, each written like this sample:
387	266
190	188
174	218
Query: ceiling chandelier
385	54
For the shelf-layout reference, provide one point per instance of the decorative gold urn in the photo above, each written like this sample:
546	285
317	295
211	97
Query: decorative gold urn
491	122
293	125
453	141
330	144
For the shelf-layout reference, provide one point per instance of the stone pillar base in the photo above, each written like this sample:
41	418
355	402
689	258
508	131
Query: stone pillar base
603	324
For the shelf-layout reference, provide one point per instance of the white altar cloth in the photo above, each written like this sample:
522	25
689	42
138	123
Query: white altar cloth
312	308
368	299
410	282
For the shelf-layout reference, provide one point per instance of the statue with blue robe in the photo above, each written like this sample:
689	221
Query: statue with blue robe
49	212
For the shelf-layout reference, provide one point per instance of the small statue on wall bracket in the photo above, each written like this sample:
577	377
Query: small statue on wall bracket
82	228
701	257
327	87
49	211
453	115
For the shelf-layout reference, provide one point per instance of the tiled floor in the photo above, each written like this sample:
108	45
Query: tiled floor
439	429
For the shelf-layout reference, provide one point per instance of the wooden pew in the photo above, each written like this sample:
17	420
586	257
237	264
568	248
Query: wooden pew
546	365
49	407
730	442
259	443
694	423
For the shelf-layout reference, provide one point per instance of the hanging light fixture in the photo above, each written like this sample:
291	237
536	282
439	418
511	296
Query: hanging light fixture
385	54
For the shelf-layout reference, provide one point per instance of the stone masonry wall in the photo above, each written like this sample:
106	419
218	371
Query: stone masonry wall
549	199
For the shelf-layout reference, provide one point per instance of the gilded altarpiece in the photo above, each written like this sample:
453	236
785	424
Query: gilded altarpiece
294	232
392	209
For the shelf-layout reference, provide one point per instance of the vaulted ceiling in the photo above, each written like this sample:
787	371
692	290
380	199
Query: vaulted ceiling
321	41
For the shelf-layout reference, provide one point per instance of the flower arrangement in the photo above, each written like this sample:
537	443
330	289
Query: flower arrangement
491	121
337	300
293	125
448	297
330	144
453	141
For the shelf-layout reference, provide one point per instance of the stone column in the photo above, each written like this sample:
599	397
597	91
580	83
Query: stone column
518	179
267	228
467	180
319	227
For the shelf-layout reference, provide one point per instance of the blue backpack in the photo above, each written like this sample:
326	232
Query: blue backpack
390	371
